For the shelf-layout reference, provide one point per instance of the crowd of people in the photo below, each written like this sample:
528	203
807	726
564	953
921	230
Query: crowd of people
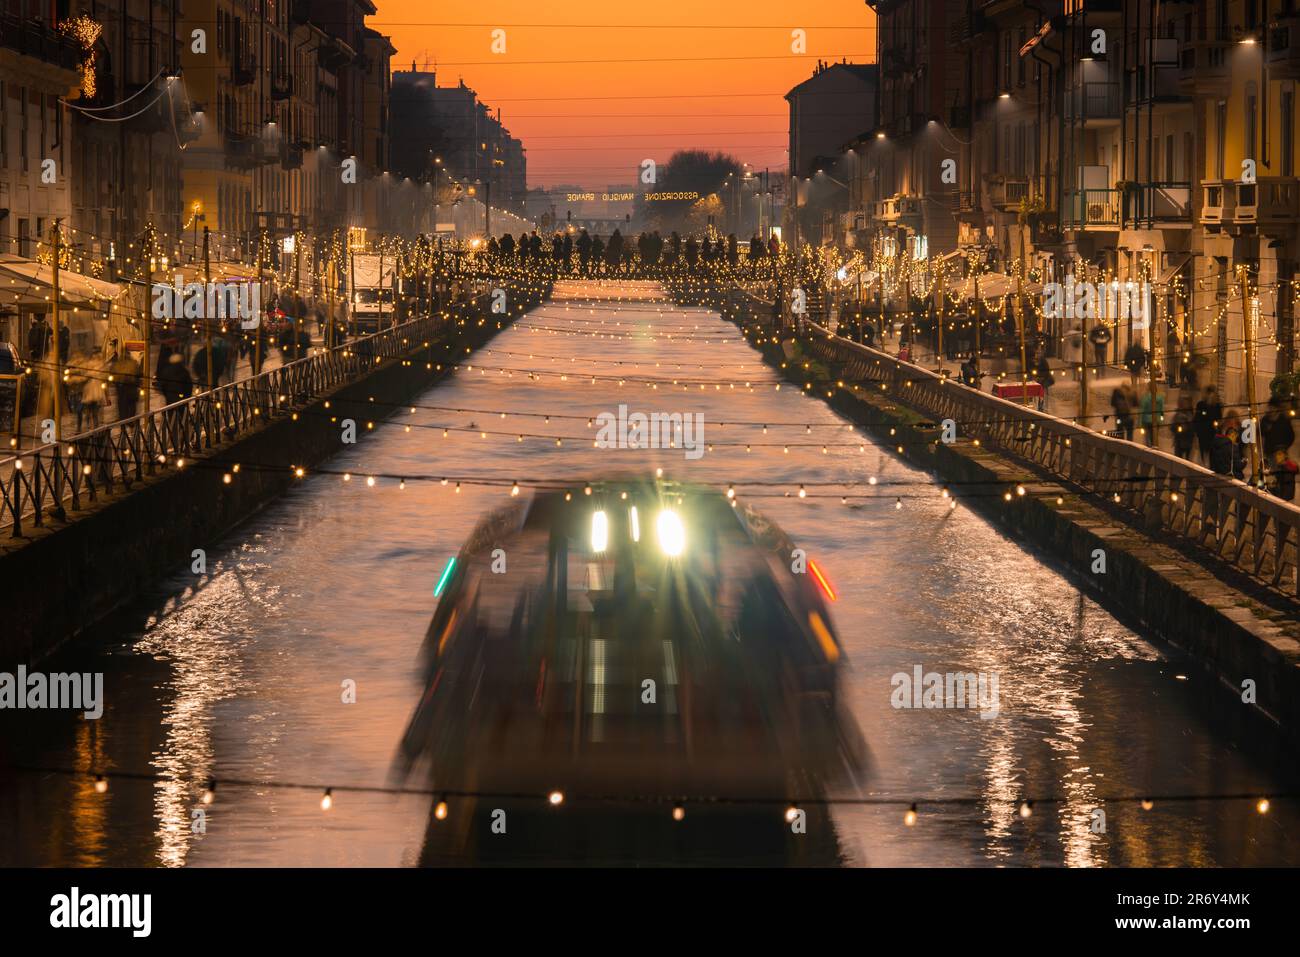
1203	429
583	254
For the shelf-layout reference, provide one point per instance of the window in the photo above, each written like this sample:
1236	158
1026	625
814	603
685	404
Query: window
1252	100
24	239
1288	133
22	130
1220	136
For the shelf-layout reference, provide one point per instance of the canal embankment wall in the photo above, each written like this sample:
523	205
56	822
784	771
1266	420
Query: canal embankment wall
64	576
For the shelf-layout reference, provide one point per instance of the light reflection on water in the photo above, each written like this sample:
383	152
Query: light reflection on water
241	676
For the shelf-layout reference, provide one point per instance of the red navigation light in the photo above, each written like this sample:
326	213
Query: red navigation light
821	580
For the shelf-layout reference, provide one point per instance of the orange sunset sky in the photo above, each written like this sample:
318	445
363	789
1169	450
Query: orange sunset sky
657	77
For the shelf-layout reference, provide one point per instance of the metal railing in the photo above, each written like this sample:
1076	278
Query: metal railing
1255	533
49	478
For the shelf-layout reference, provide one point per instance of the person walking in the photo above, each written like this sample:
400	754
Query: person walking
1043	376
1184	426
173	379
126	382
1152	414
1280	478
1225	452
1276	428
1135	360
1122	404
1209	412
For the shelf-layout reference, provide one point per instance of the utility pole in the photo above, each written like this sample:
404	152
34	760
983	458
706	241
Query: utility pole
147	315
207	320
298	296
1084	344
1249	314
56	239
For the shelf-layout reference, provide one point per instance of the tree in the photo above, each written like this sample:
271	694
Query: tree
690	171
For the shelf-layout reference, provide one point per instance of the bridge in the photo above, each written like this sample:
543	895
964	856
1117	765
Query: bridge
321	559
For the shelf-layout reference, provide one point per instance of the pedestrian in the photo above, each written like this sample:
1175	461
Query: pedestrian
1209	412
1043	376
1099	336
38	338
126	382
1184	426
1225	452
1135	360
1281	477
1276	428
1122	404
173	380
1152	414
77	382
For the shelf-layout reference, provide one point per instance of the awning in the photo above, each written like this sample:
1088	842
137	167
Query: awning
850	277
26	281
992	285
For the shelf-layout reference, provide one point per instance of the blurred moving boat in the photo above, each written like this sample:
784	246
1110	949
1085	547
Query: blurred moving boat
638	639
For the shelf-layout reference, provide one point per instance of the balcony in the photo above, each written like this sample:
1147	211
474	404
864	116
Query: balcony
1091	209
898	208
245	150
1205	66
1219	203
1151	205
1282	53
281	86
1007	194
1095	103
1160	79
243	69
1269	204
39	41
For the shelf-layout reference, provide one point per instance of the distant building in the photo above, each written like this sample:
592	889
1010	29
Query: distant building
447	134
828	110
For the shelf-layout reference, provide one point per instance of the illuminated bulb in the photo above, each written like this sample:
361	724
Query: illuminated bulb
101	784
440	812
731	491
1262	805
347	476
327	800
556	798
1026	808
514	489
802	493
1020	490
791	813
209	793
910	817
679	812
1147	804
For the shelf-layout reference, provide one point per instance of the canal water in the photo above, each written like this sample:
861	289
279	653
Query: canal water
238	674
